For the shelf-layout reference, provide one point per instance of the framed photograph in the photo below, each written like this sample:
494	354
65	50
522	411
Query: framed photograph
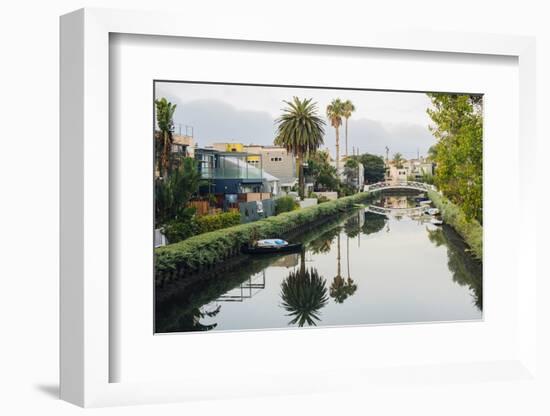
225	213
352	206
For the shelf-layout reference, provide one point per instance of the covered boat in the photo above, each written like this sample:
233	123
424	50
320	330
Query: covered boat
272	245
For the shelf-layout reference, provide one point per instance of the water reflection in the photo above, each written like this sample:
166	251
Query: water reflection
342	288
354	270
303	295
374	223
466	270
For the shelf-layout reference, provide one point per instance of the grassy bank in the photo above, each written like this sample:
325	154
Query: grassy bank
209	249
470	230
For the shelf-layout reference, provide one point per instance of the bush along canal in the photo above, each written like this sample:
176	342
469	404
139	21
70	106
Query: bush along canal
356	268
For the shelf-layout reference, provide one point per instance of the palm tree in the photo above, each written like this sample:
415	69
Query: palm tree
300	131
398	160
165	113
348	109
335	112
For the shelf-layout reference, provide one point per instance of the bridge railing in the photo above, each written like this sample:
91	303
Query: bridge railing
421	186
403	211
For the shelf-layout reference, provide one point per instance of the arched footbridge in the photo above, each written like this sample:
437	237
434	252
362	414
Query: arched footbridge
380	186
418	186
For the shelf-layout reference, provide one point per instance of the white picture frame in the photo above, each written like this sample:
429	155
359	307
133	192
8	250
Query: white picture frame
85	259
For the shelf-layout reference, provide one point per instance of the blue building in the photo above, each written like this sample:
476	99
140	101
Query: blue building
229	174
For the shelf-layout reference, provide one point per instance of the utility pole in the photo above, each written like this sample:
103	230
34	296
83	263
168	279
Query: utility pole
387	153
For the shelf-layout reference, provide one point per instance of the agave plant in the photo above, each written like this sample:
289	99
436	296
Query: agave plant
303	294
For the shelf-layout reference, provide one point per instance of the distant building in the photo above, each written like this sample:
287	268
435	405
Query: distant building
183	145
412	169
277	162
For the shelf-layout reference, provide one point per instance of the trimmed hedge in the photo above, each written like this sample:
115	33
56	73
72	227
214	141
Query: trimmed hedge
215	222
470	230
285	204
207	249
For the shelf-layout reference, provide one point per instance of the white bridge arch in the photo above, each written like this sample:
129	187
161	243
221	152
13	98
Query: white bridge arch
380	186
418	186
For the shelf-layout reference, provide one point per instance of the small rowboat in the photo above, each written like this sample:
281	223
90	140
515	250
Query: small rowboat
271	246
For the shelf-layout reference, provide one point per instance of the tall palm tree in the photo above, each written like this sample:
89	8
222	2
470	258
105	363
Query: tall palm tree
349	108
335	112
165	114
300	131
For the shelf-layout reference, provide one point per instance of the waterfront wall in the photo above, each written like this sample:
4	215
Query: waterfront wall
249	210
206	250
470	230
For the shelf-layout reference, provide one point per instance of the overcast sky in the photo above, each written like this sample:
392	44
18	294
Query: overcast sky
246	114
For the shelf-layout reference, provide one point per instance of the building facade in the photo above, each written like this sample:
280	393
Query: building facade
274	160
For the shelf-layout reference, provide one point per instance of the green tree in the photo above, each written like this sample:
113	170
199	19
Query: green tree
374	167
321	172
300	131
349	108
458	153
351	170
173	193
165	114
398	160
335	112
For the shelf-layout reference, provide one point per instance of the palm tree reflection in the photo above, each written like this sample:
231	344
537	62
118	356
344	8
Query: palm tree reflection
341	288
192	321
303	294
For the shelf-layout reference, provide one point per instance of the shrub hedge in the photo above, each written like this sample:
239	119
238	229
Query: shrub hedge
470	230
178	230
215	222
285	204
207	249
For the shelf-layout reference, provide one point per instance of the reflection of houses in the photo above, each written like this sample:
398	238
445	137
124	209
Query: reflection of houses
274	160
288	261
245	290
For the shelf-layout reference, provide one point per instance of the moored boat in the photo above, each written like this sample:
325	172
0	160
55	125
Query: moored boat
271	246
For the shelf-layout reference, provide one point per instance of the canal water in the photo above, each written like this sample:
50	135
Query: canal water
360	268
